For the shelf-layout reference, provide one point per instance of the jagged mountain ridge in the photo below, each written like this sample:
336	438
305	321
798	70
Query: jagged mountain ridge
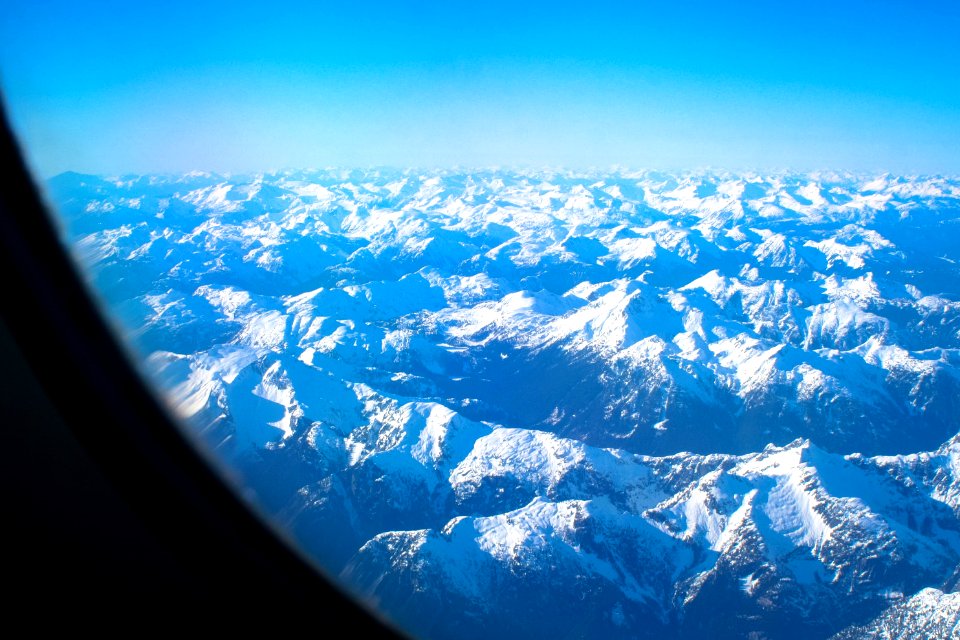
928	614
466	374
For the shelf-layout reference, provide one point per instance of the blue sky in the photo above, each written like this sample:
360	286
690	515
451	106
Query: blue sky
116	87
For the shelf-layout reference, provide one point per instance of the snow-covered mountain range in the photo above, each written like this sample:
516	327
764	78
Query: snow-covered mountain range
557	404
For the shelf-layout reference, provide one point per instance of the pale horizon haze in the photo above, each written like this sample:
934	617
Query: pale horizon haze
112	88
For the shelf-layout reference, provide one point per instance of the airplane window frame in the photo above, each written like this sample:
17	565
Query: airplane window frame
92	385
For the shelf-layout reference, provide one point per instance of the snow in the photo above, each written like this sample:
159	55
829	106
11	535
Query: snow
751	363
439	362
508	535
929	613
712	282
853	256
266	330
536	457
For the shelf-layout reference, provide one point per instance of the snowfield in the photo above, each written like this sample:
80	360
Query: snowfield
557	404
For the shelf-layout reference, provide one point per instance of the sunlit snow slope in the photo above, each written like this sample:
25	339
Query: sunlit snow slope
549	404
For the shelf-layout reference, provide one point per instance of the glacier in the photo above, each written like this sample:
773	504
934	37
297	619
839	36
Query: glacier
554	403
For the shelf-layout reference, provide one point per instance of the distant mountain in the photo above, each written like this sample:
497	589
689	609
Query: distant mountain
550	403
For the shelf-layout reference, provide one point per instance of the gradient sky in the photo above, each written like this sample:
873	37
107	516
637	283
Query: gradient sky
117	87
